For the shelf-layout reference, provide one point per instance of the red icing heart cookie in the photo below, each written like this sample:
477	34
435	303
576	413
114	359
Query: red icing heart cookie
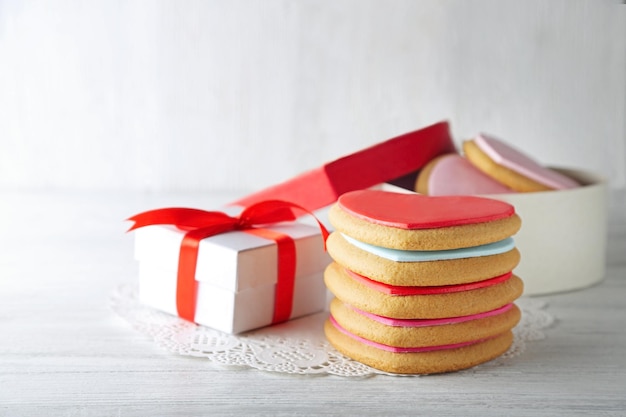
414	211
418	222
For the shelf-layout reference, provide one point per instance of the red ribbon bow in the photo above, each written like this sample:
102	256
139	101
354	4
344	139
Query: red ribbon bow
200	224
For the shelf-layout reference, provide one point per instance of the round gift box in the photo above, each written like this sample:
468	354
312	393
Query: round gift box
563	237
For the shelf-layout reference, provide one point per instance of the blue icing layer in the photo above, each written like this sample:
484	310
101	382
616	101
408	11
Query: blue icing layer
398	255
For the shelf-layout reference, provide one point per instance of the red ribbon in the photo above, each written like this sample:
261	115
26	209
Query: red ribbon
200	224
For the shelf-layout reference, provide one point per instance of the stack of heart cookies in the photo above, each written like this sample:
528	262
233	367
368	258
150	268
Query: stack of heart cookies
422	284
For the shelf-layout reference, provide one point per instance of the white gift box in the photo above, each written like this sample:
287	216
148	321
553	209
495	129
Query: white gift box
236	274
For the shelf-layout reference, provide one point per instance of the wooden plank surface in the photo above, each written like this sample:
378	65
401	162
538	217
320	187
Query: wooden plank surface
64	352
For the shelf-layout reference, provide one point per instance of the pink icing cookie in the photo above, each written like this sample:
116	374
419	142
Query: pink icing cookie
399	349
412	211
425	290
507	156
388	321
424	350
454	175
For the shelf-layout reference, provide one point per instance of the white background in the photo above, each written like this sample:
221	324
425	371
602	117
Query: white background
236	95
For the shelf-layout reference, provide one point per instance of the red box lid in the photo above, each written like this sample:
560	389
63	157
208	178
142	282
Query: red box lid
379	163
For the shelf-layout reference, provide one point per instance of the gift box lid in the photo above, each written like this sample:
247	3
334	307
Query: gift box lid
377	164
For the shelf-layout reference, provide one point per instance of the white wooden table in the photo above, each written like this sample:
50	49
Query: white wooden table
63	352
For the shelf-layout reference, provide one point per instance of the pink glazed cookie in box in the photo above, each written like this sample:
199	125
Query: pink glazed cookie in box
452	174
513	168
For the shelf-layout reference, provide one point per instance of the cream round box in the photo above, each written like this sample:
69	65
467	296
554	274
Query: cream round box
563	237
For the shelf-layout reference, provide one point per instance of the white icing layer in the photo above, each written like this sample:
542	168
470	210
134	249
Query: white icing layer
398	255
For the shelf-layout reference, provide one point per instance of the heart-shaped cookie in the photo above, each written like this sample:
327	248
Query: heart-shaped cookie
452	174
415	211
419	222
512	167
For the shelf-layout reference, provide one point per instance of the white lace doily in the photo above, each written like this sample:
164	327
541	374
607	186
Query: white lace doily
296	347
